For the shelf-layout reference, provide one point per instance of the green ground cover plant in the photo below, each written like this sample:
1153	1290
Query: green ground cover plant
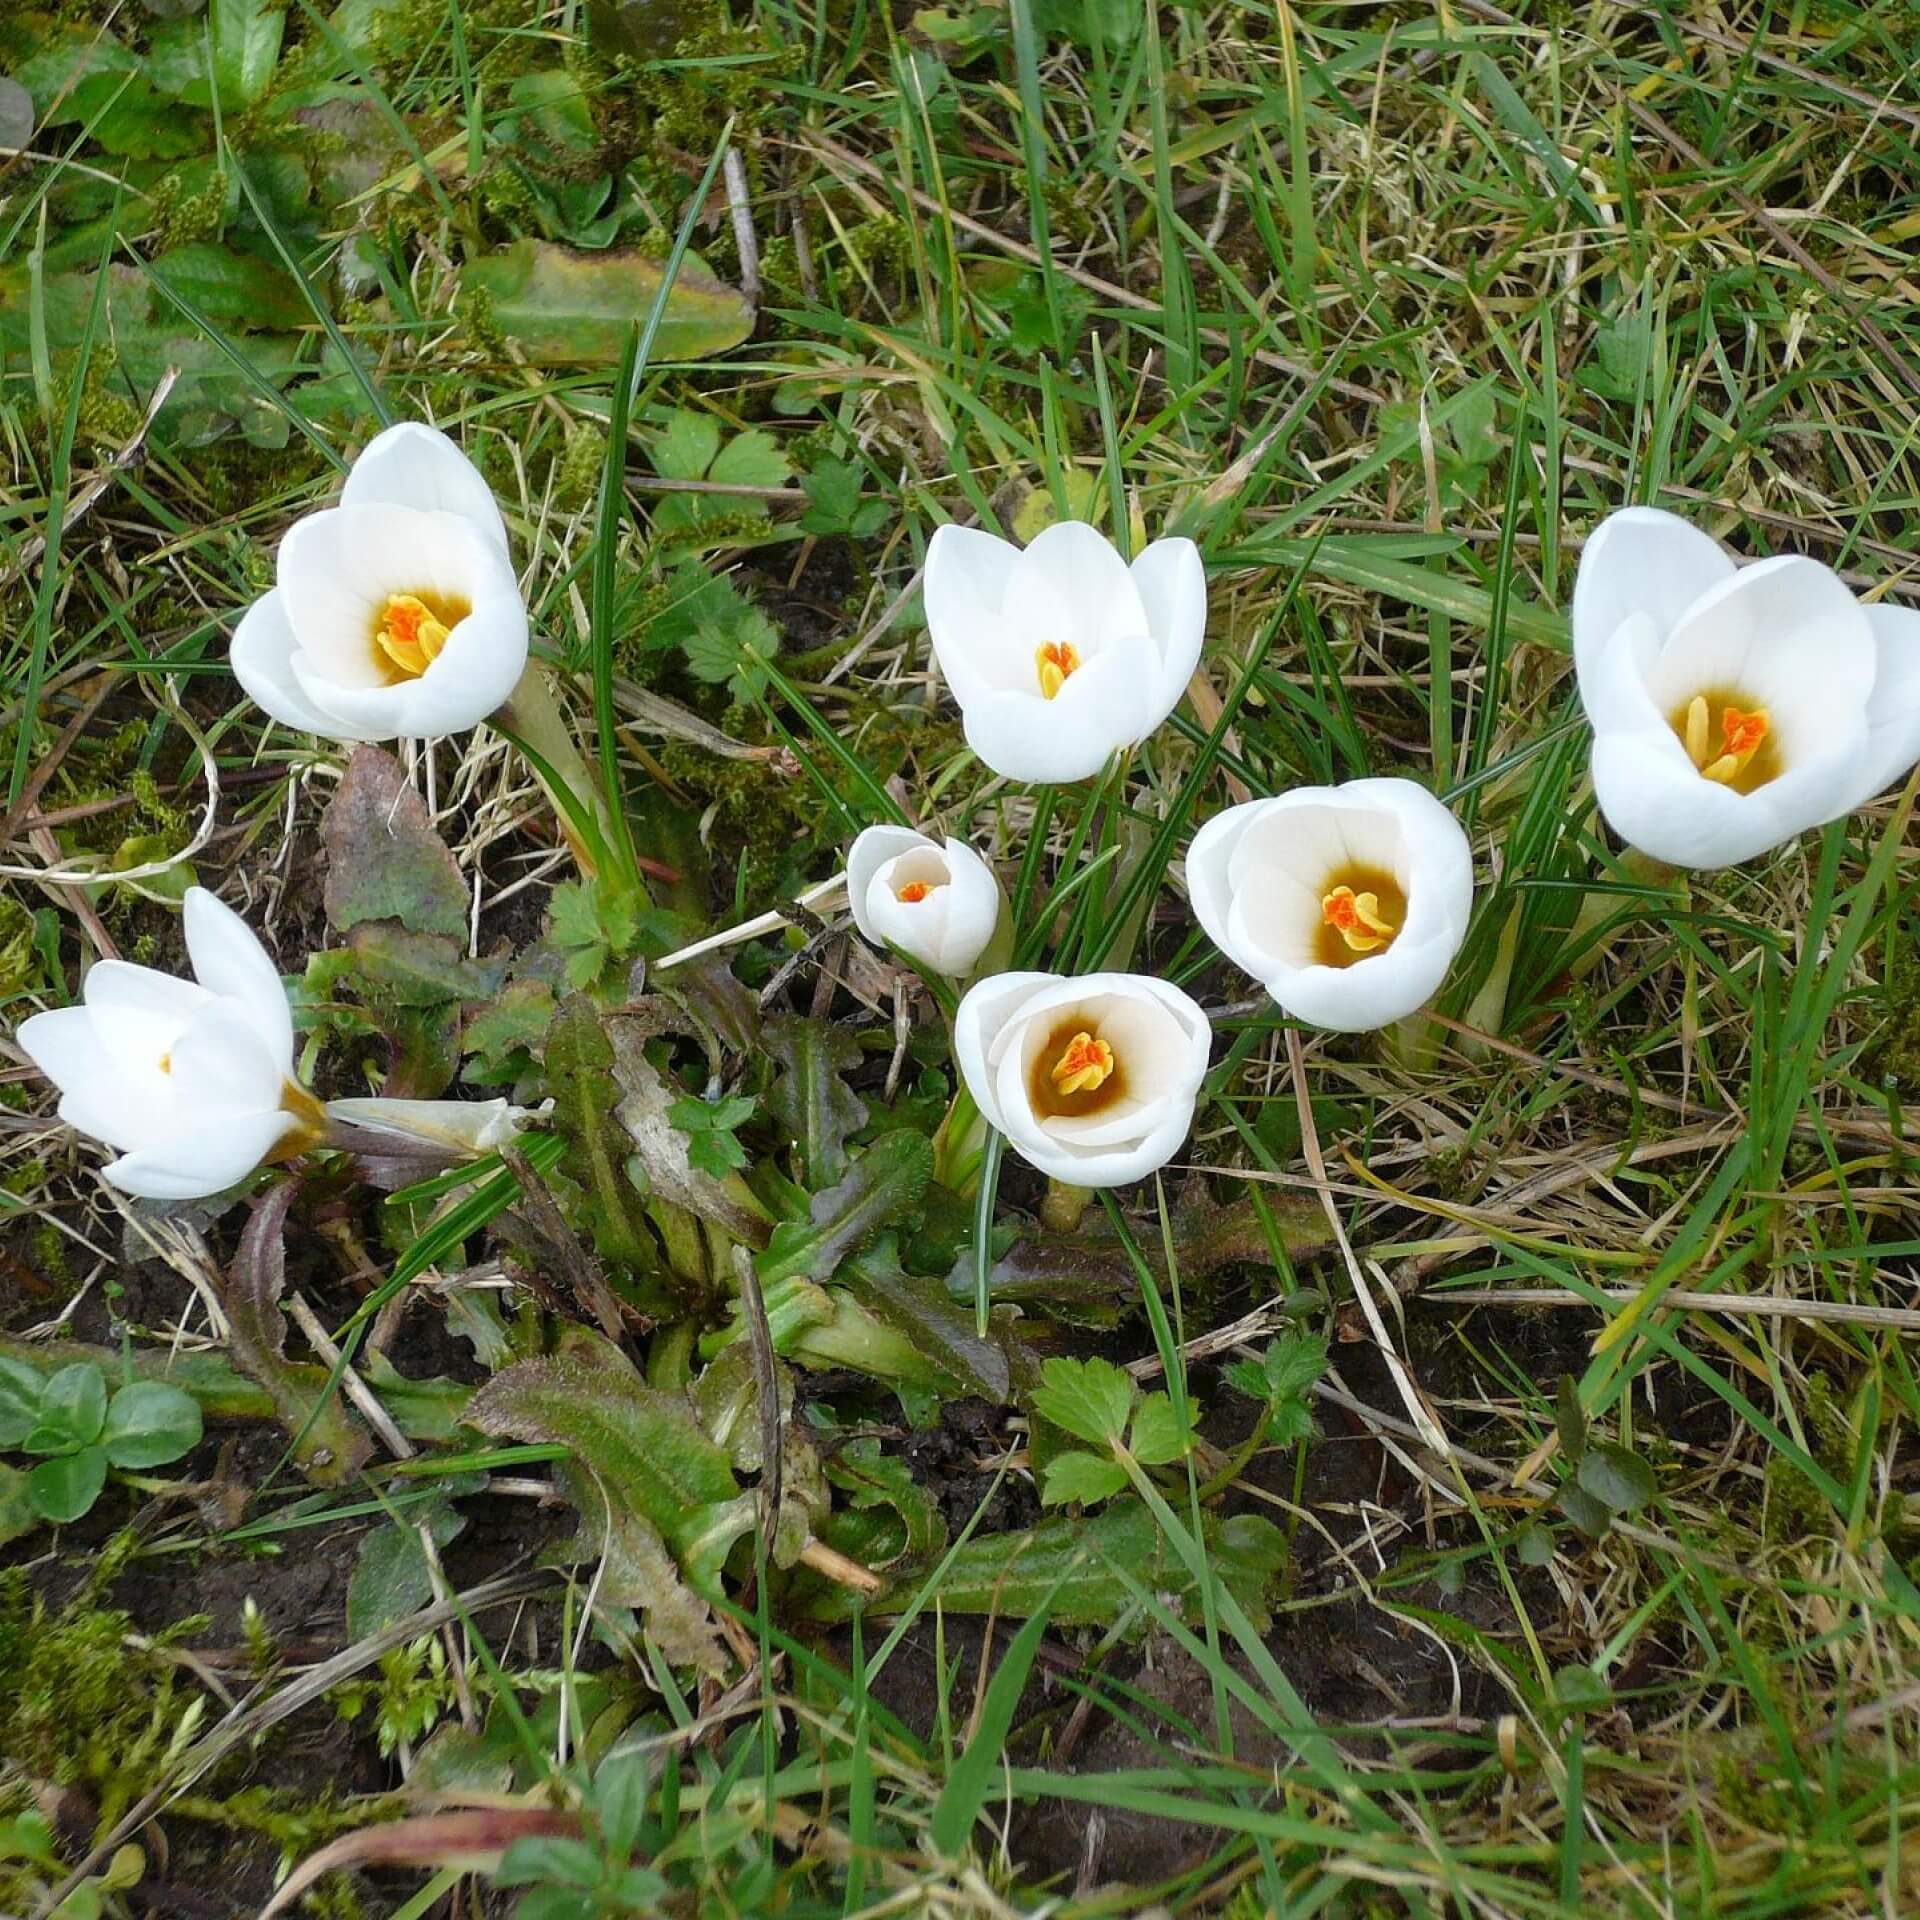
751	1269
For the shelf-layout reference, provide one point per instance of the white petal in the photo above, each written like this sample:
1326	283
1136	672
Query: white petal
1613	676
1172	584
1374	992
218	1153
120	985
229	960
474	673
1071	585
979	1025
1019	736
262	661
219	1066
1893	714
96	1096
1439	871
974	908
872	848
412	465
1641	560
967	576
917	927
1209	891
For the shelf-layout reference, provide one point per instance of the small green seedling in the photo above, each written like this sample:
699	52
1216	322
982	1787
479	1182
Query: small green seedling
601	1874
68	1420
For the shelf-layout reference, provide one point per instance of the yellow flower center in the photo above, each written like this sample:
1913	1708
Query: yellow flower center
915	891
1053	663
1084	1065
1361	912
1747	754
411	630
1356	917
166	1061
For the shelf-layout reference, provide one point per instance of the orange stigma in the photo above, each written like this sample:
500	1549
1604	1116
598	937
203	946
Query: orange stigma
914	892
1742	734
1357	918
1053	662
1083	1065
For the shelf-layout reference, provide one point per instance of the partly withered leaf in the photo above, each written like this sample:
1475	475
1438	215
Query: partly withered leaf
586	1099
330	1445
384	860
817	1109
568	309
663	1150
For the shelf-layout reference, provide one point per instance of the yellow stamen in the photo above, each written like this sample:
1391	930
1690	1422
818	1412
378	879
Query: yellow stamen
1083	1065
166	1061
410	633
1697	729
914	892
1357	918
1054	662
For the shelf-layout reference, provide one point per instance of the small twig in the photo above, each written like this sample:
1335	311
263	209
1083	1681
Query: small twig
1410	1394
356	1389
746	241
760	924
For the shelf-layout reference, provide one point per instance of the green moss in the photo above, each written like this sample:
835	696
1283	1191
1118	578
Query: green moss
82	1707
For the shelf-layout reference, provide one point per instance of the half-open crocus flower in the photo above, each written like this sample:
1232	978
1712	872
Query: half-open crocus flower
1092	1079
467	1128
396	612
1734	707
193	1083
939	905
1347	903
1060	654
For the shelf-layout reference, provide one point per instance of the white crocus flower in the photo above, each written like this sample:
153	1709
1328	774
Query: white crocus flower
1091	1079
1061	654
194	1083
396	612
1734	707
939	905
1347	903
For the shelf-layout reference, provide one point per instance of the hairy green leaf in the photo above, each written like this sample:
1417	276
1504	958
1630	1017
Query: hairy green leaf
881	1187
925	1313
810	1101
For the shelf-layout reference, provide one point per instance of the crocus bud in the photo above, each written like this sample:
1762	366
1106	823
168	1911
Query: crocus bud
396	612
1347	903
939	905
1734	707
1060	654
1093	1079
192	1080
